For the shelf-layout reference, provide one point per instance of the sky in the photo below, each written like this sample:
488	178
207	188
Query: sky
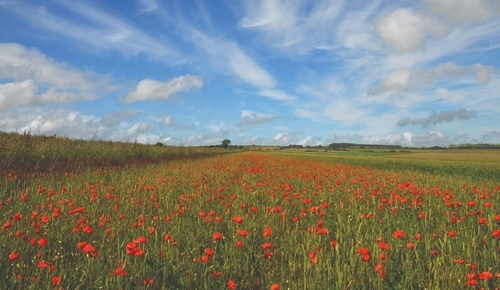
262	72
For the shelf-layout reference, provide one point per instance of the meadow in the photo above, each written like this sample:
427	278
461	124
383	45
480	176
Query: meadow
252	220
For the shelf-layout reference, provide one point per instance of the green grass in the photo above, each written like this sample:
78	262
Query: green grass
32	154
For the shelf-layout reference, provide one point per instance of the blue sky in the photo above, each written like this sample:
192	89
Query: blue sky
263	72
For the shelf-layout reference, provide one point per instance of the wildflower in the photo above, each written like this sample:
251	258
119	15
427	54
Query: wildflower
43	264
363	251
399	234
384	246
268	255
275	287
410	246
459	261
141	240
267	246
268	232
485	275
238	220
13	256
217	236
42	242
231	285
56	280
242	233
239	244
312	257
209	251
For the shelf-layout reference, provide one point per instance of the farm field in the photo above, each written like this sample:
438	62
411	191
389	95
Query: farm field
254	220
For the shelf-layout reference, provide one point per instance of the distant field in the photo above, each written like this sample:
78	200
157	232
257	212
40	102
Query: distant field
473	164
490	156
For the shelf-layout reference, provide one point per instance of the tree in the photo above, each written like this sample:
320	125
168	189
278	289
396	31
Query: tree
225	143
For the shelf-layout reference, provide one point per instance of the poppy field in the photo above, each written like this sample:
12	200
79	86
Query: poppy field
249	221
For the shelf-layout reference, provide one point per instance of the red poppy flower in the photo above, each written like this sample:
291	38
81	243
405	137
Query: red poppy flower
43	264
384	246
242	233
217	236
268	255
231	285
267	246
312	257
410	246
13	256
56	280
205	259
42	242
471	282
88	249
239	244
141	240
238	220
7	224
209	251
363	251
275	287
452	233
398	234
333	243
268	232
485	275
459	261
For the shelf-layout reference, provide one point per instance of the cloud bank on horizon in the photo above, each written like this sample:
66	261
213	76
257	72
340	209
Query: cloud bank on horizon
265	72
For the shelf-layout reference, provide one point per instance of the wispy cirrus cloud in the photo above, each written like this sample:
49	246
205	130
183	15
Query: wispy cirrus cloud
89	25
296	25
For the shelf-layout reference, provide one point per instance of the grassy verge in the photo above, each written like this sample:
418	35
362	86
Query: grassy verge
26	154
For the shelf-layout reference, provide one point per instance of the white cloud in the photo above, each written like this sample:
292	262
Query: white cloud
344	110
115	118
310	141
249	118
139	128
15	94
464	11
48	122
284	138
410	139
20	63
403	80
149	89
405	30
276	95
